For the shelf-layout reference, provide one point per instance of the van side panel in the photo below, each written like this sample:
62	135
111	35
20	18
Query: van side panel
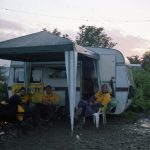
121	88
107	67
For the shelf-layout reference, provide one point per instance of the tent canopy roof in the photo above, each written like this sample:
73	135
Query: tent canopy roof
40	46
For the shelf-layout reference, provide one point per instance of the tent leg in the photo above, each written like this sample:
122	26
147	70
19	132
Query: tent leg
71	69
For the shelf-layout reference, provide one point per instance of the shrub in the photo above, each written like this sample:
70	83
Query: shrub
141	100
3	91
3	83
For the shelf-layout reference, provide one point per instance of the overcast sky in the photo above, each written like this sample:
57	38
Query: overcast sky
127	22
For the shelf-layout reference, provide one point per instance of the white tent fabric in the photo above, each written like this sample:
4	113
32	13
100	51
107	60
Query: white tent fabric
27	72
71	69
98	73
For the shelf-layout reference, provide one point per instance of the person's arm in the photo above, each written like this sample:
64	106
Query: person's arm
45	99
92	99
98	97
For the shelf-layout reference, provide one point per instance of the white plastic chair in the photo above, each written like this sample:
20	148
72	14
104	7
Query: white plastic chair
96	118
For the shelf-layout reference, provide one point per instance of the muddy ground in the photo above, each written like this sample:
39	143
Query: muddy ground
119	134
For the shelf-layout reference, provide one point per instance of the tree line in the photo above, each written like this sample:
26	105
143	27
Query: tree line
96	37
144	60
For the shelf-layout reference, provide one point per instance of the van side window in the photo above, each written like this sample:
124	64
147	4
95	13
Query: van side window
19	75
36	75
57	73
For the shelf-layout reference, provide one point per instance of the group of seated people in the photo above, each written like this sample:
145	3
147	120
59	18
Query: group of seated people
25	109
47	107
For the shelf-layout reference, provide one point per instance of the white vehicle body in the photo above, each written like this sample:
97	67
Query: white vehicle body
75	72
112	66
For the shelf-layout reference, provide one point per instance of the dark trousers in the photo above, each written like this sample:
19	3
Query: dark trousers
88	109
31	110
46	111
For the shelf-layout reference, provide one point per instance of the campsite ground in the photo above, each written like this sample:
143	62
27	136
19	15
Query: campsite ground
121	133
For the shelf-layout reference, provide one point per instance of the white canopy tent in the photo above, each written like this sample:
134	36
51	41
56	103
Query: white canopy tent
44	46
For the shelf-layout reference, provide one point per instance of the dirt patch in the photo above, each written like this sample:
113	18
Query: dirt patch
118	134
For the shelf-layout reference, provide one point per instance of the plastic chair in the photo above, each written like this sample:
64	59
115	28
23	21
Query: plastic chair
96	118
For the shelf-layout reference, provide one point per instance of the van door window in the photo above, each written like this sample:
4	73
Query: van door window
36	75
19	75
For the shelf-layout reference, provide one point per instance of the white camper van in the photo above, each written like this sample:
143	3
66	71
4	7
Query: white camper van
73	71
113	68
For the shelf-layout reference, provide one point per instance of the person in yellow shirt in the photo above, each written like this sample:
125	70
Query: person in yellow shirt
103	97
96	103
24	97
30	109
49	102
50	97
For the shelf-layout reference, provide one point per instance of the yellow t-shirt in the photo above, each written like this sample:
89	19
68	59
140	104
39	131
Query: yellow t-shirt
53	98
25	99
103	99
20	113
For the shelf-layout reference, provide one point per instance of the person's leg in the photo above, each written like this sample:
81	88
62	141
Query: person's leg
80	113
82	108
35	111
89	111
30	112
96	107
51	111
51	114
82	103
39	109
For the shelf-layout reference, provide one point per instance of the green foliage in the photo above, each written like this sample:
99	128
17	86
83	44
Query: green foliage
56	32
3	84
146	61
134	59
141	101
66	36
3	91
130	115
2	73
93	36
